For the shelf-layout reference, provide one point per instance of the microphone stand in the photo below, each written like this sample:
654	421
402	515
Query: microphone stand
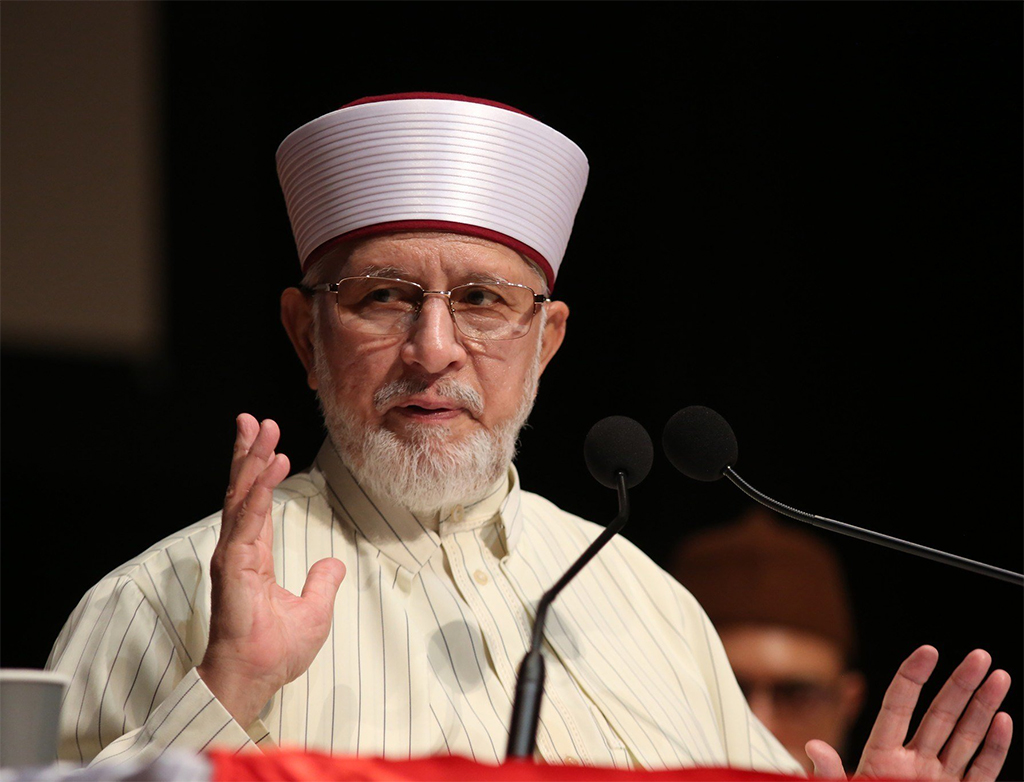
522	740
874	537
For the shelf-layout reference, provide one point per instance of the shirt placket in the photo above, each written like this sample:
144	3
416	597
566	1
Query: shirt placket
506	631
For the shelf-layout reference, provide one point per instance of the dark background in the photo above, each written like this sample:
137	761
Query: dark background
804	215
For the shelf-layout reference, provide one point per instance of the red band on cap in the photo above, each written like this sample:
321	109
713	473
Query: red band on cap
436	225
434	96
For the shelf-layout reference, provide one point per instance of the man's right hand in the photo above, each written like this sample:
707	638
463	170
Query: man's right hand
261	635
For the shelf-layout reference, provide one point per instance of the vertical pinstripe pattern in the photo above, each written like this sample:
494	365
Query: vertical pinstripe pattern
430	625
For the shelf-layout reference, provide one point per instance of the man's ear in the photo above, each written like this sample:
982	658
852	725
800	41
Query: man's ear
554	331
297	317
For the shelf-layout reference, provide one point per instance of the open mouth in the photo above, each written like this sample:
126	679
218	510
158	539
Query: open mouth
416	397
429	413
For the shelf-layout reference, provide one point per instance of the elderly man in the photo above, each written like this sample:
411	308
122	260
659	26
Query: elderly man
379	602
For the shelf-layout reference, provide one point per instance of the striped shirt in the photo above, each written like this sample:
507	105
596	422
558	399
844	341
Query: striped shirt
430	625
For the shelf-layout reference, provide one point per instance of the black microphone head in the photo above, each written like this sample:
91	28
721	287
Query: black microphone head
618	444
699	443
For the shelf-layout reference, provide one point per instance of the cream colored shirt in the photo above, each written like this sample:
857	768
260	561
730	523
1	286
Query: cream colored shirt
430	625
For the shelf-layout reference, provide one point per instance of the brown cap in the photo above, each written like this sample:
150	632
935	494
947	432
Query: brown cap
759	570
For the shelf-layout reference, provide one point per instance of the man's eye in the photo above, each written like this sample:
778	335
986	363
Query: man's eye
388	294
480	297
798	692
382	295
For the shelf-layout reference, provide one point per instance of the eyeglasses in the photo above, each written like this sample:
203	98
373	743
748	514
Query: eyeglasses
791	699
388	306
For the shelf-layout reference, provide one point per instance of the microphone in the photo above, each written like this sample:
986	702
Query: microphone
619	454
701	445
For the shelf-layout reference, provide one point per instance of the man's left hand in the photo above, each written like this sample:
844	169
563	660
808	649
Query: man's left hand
962	718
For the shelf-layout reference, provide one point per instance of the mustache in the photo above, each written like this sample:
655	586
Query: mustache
447	388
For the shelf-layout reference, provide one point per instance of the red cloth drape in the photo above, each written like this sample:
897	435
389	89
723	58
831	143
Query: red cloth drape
297	766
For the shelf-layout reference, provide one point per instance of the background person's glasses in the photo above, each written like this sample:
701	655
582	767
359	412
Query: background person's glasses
791	699
388	306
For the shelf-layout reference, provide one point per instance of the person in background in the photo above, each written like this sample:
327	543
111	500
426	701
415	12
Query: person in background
778	597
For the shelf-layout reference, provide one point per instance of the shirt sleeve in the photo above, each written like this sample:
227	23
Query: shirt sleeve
134	690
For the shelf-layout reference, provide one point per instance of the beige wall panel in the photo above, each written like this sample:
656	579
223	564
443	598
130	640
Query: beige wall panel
79	177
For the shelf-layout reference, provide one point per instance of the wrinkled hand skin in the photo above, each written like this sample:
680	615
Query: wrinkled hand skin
261	635
962	718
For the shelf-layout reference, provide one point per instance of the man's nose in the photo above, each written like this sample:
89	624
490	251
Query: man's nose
434	342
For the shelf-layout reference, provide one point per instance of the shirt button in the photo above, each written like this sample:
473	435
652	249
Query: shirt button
570	760
459	513
481	577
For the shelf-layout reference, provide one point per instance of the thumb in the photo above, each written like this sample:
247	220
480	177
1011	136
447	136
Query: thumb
827	763
323	580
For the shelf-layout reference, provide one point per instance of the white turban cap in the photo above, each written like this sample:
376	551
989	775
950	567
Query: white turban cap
432	161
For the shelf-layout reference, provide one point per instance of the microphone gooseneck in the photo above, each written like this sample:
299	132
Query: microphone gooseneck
701	445
619	454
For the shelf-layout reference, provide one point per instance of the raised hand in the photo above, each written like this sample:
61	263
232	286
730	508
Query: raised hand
261	635
962	717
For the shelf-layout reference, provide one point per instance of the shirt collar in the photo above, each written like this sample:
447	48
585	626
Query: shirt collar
398	533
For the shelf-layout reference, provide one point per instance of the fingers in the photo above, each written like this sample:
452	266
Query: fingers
989	763
254	467
961	718
938	722
827	763
890	728
323	581
254	446
254	512
978	724
246	429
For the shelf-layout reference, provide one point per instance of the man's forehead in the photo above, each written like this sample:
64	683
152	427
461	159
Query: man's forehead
424	250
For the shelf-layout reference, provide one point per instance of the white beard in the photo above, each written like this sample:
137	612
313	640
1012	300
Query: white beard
426	471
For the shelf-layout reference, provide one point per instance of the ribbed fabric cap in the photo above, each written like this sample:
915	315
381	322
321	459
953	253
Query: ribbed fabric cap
432	161
759	571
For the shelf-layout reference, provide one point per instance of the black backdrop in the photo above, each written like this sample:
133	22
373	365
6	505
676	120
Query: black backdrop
805	215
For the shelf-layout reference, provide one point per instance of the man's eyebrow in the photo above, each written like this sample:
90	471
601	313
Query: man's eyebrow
379	271
374	270
482	277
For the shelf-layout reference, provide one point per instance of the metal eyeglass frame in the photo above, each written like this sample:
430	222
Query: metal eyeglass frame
538	299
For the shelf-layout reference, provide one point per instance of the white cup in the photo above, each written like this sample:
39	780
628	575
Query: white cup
29	716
